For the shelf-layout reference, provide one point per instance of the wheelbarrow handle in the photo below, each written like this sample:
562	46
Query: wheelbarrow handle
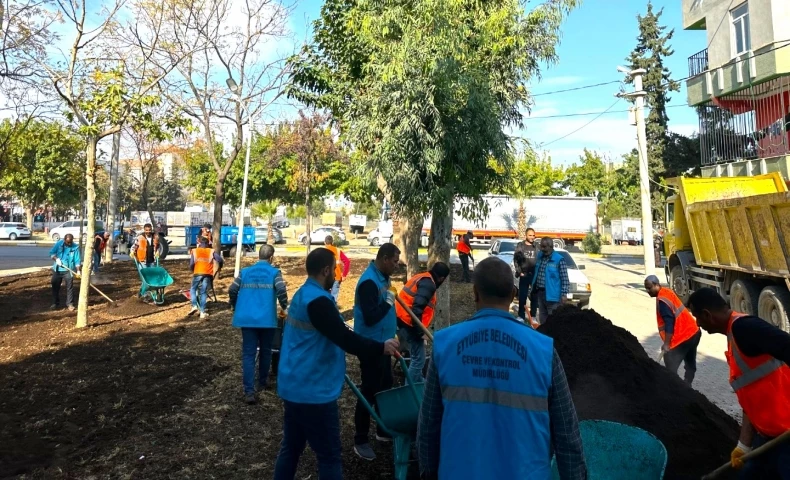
754	453
414	318
367	406
409	380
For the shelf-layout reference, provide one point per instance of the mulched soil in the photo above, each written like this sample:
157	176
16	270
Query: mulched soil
612	378
146	392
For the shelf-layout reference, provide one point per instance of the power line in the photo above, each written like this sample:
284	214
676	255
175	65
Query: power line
721	22
592	113
575	88
583	126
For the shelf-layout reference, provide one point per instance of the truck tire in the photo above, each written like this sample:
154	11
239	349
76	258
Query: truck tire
679	283
232	252
773	307
744	297
558	243
165	248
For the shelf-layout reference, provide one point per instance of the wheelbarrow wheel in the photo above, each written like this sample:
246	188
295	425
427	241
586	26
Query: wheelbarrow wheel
158	295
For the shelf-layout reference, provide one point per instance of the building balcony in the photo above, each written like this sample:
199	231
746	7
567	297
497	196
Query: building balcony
698	63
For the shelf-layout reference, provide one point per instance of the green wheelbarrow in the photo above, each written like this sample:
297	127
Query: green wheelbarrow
154	280
615	451
398	410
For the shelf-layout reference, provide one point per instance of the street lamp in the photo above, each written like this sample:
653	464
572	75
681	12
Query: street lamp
234	88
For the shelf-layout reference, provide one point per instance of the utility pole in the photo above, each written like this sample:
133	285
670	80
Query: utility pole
644	177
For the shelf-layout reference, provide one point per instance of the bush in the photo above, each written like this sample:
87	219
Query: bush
592	243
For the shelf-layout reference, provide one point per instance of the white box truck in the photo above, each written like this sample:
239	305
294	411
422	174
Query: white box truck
627	231
566	220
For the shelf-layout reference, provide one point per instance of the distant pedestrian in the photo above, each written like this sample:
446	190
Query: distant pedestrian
201	262
66	254
524	261
550	282
677	327
419	294
99	244
464	248
254	296
329	244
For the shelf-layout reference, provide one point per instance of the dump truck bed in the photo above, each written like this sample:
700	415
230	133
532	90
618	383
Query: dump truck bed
739	223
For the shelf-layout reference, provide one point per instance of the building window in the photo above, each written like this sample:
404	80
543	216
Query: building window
740	29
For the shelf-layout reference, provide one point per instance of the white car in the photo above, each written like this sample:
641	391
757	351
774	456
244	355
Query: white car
581	291
262	235
14	230
73	227
318	235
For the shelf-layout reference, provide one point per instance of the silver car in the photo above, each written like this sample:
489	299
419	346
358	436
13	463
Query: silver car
14	230
262	235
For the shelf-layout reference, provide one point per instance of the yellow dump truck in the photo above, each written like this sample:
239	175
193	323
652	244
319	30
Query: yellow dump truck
732	234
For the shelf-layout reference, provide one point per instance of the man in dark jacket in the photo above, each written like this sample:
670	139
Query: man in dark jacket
524	261
419	294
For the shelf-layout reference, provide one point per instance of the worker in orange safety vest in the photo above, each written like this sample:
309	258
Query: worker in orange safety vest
677	329
145	250
329	244
201	262
464	248
758	354
419	294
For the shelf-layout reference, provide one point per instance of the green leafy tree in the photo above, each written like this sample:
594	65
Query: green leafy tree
681	155
532	176
650	53
589	178
46	164
424	90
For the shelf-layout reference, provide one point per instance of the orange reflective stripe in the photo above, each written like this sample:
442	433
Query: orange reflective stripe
685	324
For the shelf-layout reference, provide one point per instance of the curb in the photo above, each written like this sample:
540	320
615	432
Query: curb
22	243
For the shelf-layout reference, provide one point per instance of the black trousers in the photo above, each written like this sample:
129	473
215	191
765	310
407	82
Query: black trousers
523	294
686	353
465	264
57	280
376	376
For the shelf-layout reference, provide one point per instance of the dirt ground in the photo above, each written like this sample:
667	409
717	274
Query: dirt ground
146	391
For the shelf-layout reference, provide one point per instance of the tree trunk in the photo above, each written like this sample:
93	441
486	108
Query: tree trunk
29	216
219	201
410	230
90	207
270	231
522	220
113	204
83	216
439	248
309	222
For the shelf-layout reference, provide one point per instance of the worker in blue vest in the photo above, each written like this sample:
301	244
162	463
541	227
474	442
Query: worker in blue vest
311	371
496	401
375	318
254	295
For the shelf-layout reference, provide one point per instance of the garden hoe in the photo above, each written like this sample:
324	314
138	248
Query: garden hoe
112	302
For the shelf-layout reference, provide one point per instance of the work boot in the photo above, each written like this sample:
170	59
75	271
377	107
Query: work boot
192	311
249	399
71	308
365	452
203	315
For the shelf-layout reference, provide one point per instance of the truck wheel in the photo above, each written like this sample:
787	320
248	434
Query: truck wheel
558	243
679	283
232	252
165	248
773	307
744	297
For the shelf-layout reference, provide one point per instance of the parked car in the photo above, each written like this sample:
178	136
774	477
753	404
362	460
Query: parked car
73	227
281	223
262	234
13	230
318	235
581	289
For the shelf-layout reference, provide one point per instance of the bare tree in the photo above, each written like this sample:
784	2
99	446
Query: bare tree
104	84
240	40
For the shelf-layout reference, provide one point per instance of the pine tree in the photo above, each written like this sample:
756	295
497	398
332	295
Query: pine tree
651	50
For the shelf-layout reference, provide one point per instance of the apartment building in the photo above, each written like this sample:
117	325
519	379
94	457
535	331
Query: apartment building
740	85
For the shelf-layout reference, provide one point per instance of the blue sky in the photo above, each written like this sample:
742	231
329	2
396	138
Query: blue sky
596	38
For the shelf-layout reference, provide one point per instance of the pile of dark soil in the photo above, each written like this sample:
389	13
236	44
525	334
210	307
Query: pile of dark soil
612	378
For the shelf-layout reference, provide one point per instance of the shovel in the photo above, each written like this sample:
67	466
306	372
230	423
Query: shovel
754	453
414	318
112	302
